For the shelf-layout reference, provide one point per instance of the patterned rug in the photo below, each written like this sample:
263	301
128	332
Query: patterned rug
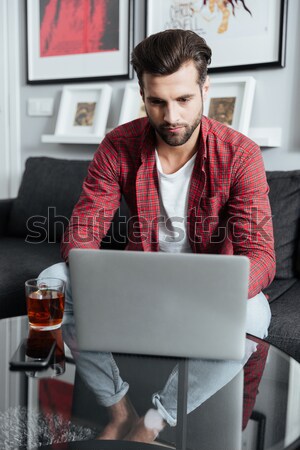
20	427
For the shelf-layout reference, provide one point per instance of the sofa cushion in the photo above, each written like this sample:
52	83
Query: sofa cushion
278	288
20	261
285	205
284	330
49	189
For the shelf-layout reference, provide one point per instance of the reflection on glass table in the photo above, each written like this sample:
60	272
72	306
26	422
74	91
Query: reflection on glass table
40	355
259	408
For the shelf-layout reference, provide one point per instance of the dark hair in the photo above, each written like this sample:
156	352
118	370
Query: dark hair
165	52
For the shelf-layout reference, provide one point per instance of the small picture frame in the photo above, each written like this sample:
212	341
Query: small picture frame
132	105
83	110
230	101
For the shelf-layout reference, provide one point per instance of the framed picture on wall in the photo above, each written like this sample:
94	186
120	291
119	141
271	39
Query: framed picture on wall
242	34
78	40
83	110
230	102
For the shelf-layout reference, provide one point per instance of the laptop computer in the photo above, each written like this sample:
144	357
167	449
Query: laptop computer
166	304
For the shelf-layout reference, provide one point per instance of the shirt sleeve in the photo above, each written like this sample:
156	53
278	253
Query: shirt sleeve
250	220
98	202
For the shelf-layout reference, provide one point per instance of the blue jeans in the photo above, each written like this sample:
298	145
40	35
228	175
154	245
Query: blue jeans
100	372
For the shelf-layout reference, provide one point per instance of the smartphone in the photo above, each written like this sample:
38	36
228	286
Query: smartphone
22	361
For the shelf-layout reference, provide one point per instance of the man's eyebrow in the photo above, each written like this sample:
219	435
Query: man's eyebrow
151	98
186	96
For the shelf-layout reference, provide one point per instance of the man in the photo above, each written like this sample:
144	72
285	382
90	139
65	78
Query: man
192	185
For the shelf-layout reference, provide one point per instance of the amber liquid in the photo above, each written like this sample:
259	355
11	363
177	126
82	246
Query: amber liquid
45	309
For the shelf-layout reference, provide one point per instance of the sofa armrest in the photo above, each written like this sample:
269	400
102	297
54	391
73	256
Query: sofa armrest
5	207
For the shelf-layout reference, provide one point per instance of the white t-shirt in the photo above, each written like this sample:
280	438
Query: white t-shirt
173	201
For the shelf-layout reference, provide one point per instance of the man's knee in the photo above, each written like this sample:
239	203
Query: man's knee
258	316
59	270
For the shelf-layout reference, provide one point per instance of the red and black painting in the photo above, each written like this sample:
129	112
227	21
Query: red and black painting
71	27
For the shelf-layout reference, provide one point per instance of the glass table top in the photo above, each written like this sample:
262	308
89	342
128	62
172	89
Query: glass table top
258	409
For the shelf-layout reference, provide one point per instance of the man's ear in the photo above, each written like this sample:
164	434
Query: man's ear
205	88
142	94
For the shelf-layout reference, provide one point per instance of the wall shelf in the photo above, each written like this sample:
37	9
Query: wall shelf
266	137
71	139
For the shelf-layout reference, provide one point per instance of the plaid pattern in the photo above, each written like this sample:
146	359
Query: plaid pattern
253	372
228	205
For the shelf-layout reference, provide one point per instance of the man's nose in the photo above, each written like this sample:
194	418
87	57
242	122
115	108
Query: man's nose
171	113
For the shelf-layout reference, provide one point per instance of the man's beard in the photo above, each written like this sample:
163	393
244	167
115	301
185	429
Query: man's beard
176	139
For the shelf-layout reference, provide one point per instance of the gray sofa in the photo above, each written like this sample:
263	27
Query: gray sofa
31	227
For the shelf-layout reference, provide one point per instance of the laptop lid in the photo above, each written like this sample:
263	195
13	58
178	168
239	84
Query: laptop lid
191	305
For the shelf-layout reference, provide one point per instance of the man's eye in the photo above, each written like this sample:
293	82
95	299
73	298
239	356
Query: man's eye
183	100
156	102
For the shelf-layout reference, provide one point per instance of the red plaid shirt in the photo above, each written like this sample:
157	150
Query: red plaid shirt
228	205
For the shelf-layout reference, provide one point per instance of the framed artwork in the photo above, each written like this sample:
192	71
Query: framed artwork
230	101
132	105
83	110
242	34
78	40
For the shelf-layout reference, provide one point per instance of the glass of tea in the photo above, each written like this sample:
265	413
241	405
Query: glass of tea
45	299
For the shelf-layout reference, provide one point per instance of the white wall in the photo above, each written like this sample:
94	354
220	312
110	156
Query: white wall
33	127
277	99
275	105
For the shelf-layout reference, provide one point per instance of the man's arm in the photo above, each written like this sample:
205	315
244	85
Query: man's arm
98	202
250	220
